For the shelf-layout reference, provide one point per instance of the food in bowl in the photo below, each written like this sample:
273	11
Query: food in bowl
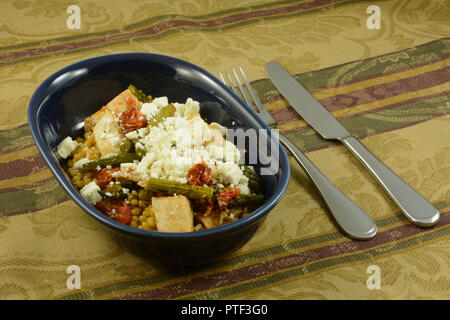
159	166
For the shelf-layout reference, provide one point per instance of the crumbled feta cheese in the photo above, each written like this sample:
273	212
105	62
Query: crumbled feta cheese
149	109
139	145
81	162
230	172
227	152
109	155
66	147
128	165
90	192
142	132
190	107
217	126
178	143
133	135
243	187
160	102
143	167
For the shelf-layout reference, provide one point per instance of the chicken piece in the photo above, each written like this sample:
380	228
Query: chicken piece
108	135
128	171
211	220
116	106
173	214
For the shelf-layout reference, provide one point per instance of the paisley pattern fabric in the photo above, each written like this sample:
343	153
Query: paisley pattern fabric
389	87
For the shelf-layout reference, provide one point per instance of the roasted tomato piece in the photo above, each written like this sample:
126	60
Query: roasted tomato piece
199	175
131	101
118	210
132	119
225	196
104	176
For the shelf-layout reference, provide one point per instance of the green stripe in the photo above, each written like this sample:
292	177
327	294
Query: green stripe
246	22
44	43
338	75
61	53
302	270
377	122
97	292
176	30
233	261
311	80
306	139
15	138
140	24
147	22
34	198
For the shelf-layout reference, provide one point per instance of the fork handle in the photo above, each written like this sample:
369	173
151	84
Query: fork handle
415	207
349	216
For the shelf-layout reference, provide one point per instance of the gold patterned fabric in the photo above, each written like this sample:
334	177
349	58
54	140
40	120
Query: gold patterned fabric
390	87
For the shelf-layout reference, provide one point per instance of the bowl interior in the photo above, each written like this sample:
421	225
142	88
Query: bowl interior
62	102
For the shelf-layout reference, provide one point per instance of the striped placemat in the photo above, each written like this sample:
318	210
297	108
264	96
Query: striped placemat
391	91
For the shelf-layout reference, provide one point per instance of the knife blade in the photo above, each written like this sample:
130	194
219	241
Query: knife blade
413	205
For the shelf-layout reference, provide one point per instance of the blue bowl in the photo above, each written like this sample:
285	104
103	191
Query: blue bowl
60	104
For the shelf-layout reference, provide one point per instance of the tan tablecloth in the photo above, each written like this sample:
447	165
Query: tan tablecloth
389	87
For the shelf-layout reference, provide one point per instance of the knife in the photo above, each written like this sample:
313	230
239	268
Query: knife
414	206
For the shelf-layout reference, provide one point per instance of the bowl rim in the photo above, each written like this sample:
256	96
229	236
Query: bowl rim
34	107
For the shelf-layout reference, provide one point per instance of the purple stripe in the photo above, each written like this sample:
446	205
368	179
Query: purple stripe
366	77
17	148
14	128
233	277
163	26
27	186
387	90
381	132
371	94
21	167
290	112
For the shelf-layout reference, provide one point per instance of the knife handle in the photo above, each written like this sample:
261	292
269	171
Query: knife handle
351	218
416	208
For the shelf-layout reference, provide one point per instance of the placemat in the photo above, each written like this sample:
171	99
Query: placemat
389	87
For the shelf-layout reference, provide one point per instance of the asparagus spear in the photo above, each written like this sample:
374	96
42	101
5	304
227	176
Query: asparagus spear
254	181
190	191
141	96
164	112
113	196
126	146
140	150
118	159
250	200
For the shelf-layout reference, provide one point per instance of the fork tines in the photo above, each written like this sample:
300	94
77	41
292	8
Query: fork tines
251	98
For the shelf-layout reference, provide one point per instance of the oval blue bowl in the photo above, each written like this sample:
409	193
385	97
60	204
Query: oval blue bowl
60	104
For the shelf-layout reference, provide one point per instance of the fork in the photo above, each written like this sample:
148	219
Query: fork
352	220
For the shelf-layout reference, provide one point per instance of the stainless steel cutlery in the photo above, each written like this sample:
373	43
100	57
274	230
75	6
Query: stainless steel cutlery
349	216
414	206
